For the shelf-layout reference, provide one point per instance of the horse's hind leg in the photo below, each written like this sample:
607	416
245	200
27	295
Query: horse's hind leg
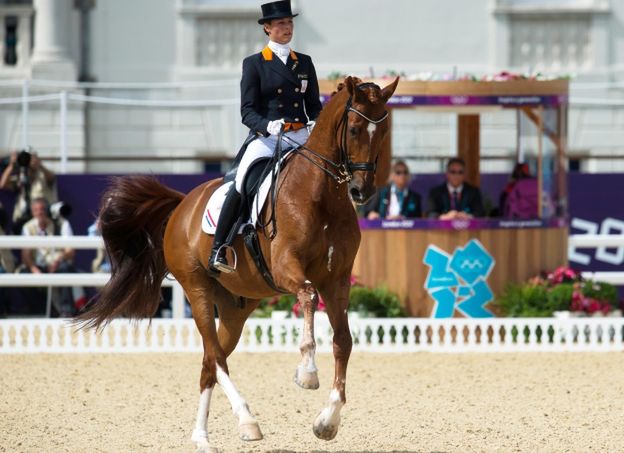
306	375
231	321
337	296
202	293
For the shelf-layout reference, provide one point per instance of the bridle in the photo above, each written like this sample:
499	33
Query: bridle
342	171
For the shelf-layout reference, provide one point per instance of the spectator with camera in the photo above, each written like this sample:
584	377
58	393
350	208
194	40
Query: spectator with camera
26	175
48	260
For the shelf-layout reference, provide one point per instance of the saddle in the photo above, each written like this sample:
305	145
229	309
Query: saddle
259	182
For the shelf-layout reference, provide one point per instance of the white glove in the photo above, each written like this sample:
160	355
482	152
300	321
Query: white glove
274	127
310	125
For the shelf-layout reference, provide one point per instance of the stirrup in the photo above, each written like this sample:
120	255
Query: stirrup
223	267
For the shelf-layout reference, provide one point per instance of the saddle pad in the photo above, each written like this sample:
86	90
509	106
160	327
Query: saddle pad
213	207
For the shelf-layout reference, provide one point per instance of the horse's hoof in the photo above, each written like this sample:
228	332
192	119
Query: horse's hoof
205	448
306	379
250	431
325	431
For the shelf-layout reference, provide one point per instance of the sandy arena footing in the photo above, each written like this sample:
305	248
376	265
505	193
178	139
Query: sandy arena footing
422	402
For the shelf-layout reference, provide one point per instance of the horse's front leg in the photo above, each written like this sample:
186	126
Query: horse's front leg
337	301
306	375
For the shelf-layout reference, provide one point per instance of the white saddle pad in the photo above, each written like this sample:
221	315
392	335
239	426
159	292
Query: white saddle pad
215	203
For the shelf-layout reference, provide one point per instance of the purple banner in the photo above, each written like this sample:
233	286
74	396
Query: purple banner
595	208
468	224
504	101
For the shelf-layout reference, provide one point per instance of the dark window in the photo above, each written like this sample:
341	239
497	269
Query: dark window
10	41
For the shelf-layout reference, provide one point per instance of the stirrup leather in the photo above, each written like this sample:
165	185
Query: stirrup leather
224	267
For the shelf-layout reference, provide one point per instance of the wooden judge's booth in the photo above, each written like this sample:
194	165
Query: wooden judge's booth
392	251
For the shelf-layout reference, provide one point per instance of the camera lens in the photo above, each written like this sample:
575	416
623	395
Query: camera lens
23	158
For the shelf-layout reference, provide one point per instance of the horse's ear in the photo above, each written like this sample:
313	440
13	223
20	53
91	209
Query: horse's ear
357	94
350	83
388	91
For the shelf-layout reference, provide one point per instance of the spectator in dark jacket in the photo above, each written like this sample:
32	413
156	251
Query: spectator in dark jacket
455	199
396	200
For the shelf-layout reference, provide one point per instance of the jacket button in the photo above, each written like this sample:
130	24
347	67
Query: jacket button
297	120
296	90
279	90
281	105
296	104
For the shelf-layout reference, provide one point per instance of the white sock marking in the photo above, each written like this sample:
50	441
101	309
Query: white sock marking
239	405
200	432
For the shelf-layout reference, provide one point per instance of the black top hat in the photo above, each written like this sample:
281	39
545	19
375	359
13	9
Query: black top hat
276	10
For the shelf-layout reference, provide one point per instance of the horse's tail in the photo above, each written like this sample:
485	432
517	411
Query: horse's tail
133	215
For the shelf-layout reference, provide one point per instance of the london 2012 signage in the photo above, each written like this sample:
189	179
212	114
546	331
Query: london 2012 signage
459	281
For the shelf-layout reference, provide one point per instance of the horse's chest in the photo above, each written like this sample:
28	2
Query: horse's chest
335	250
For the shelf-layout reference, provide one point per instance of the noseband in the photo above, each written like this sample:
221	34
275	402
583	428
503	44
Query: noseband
343	171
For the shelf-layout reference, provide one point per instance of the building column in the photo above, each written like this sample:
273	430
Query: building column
51	58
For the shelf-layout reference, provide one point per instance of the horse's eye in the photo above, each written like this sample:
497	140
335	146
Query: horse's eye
353	131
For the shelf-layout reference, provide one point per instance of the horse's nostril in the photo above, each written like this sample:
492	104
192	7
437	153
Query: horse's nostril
356	195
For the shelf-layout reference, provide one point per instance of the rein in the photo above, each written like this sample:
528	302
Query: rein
342	172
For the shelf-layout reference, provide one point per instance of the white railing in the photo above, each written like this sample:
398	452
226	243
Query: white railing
64	98
596	241
73	279
369	334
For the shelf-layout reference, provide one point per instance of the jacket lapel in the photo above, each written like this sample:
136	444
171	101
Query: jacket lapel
276	65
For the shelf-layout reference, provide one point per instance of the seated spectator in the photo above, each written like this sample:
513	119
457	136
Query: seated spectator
48	260
455	199
396	200
519	199
26	175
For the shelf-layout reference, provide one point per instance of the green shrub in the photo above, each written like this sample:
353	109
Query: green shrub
376	302
559	297
270	304
524	301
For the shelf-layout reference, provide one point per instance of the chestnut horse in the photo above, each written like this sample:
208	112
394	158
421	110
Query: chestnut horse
149	229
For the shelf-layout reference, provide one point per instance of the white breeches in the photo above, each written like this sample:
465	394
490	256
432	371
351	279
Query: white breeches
264	147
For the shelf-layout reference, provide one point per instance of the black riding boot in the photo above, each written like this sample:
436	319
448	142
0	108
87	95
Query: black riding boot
227	218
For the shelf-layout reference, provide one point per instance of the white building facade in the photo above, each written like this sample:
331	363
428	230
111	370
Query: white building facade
197	46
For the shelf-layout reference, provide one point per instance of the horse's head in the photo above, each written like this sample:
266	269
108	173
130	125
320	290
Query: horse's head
361	133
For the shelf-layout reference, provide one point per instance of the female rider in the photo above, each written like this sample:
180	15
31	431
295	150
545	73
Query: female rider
279	89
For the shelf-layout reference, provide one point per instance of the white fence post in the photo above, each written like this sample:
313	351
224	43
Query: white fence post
25	91
177	301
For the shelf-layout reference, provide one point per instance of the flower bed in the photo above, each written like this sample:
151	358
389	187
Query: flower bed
564	289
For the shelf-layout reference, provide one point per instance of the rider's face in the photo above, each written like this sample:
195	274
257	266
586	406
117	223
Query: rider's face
280	30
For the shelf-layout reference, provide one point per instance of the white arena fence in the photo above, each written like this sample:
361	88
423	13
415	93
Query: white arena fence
18	336
265	335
